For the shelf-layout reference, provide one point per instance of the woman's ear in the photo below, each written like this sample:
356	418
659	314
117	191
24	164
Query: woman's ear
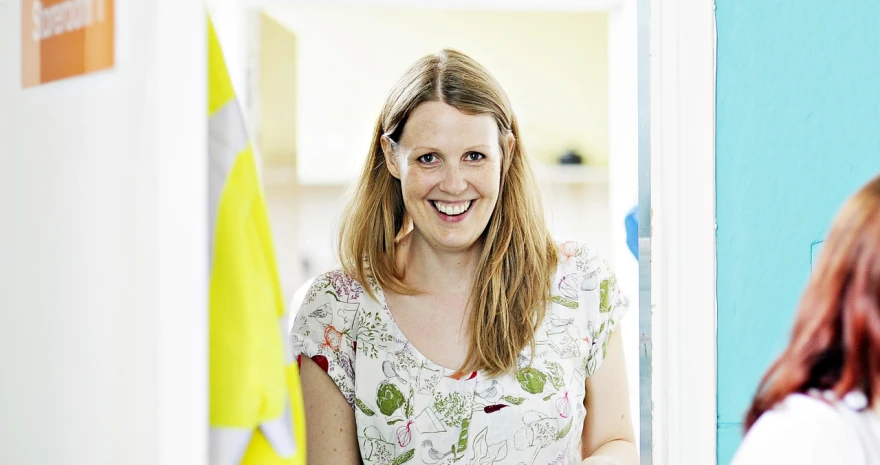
388	150
511	142
511	146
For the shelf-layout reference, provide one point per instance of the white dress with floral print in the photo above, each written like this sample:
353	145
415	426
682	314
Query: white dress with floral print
411	410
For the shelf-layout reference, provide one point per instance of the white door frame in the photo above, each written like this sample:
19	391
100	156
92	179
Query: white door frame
682	160
683	268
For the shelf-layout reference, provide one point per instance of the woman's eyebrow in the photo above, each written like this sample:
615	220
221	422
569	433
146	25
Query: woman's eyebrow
432	149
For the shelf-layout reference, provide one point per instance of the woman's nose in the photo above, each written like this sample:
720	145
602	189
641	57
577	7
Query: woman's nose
454	182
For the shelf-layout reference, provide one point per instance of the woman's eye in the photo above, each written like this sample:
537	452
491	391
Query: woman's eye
475	156
428	158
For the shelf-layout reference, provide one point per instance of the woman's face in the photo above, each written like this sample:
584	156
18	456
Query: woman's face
449	167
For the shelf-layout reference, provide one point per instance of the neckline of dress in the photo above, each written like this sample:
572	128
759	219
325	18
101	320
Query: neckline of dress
395	328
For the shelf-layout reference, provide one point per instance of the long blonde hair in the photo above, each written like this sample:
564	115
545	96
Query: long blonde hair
511	288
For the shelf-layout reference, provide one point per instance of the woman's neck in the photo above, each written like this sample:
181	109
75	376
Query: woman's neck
427	269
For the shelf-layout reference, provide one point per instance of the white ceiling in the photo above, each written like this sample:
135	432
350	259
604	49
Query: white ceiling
523	5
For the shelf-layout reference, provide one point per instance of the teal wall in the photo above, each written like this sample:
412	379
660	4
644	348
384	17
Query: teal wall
798	130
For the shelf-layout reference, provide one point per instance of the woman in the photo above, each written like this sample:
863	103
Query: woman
458	331
820	402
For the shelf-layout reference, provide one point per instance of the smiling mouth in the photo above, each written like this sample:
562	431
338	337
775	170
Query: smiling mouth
452	209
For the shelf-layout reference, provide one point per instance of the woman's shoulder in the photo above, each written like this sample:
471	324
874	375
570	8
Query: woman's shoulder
581	254
587	304
796	408
576	255
336	285
579	260
325	326
800	429
327	309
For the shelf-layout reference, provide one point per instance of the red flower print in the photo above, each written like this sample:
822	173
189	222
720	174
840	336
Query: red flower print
568	250
332	338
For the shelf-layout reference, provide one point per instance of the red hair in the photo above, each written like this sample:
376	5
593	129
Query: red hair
835	344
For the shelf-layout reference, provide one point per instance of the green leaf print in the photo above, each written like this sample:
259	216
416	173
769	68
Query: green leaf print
604	296
452	409
514	400
572	304
532	380
315	289
554	372
363	407
395	421
372	332
561	434
389	398
548	396
405	457
462	439
408	407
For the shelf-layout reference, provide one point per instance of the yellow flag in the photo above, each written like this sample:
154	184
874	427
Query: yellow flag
256	411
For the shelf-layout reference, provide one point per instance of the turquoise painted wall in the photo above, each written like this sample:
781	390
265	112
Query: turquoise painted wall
798	130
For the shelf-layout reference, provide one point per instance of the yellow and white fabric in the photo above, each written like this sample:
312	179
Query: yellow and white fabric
256	413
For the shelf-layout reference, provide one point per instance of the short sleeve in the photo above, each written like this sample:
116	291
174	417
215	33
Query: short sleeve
324	325
604	303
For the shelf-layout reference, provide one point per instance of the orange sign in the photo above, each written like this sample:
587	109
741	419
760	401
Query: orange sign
64	38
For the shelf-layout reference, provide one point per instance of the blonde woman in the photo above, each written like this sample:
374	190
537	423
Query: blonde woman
458	331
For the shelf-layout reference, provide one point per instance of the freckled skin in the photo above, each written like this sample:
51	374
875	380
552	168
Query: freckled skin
449	156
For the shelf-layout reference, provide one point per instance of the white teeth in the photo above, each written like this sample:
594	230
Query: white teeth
453	209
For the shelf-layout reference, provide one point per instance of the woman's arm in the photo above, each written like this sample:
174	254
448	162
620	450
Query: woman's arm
331	433
608	435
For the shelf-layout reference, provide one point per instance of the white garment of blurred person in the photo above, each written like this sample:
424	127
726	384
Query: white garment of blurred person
820	402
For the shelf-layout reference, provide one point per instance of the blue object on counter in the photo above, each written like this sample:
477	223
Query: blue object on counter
632	231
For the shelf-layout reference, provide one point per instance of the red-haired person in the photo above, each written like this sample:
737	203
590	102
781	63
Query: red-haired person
820	401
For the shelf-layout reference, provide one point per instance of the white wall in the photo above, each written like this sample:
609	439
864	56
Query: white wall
230	23
623	175
103	249
553	65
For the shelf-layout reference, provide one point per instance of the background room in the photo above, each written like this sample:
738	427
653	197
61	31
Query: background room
314	75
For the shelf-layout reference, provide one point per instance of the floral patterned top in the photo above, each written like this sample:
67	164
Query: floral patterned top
411	410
